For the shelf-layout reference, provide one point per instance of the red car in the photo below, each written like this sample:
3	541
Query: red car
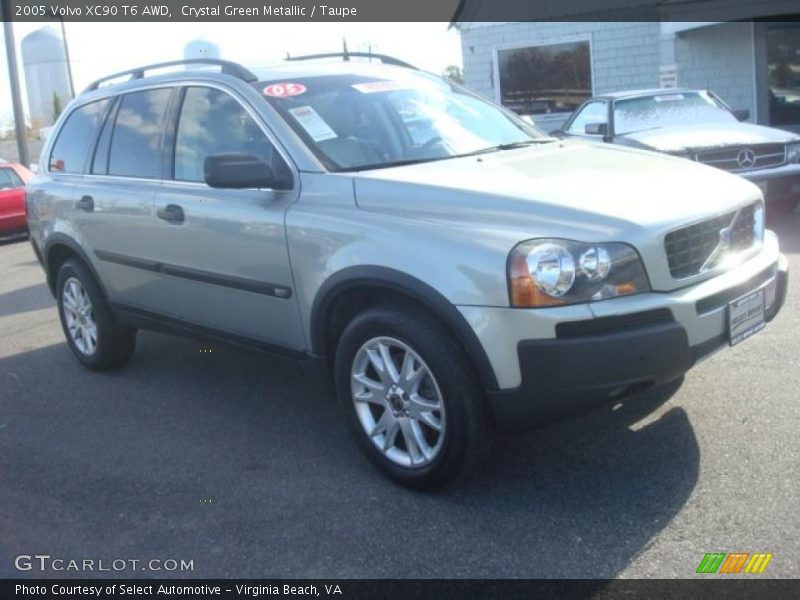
12	199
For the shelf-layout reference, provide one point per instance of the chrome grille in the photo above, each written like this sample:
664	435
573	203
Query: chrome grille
691	248
763	156
742	231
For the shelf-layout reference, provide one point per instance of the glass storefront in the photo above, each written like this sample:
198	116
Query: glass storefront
783	62
545	78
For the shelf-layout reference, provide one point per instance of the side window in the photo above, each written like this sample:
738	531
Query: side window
100	159
136	140
594	112
15	179
72	145
6	181
213	122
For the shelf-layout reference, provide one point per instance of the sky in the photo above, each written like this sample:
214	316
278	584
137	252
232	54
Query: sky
98	49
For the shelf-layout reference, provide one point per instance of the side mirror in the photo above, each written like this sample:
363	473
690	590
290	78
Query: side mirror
596	129
237	170
741	114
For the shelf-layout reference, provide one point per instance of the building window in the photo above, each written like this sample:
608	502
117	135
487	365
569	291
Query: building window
783	59
544	79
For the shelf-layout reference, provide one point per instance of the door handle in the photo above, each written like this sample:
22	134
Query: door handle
172	213
85	203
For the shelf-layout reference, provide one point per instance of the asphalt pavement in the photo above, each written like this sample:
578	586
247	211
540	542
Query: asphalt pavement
242	464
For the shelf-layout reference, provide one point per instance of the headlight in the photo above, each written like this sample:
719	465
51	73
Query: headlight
793	153
553	272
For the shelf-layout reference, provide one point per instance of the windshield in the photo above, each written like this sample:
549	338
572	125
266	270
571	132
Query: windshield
354	122
684	108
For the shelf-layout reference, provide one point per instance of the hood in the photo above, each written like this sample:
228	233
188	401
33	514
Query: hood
713	135
568	189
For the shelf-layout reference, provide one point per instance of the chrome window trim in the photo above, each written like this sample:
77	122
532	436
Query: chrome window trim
273	139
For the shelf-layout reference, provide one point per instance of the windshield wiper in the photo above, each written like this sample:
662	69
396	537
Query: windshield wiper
641	130
510	146
398	163
415	161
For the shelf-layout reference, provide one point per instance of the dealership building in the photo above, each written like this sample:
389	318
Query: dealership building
547	68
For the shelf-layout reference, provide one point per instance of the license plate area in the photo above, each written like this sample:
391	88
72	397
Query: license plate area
746	316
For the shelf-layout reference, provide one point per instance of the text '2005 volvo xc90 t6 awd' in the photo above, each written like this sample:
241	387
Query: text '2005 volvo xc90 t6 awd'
454	270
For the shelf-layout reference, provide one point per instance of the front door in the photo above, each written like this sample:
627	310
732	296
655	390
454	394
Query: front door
224	263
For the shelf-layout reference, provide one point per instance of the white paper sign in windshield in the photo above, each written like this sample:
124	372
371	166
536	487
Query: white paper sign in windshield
315	126
668	98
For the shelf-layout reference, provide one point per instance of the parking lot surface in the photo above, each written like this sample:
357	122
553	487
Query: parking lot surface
242	464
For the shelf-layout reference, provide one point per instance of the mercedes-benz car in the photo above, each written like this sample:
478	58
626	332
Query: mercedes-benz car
698	125
450	269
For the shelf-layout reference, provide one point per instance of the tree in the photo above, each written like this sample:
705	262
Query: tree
57	107
453	73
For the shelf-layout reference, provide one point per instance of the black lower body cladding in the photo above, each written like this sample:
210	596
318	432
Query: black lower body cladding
563	377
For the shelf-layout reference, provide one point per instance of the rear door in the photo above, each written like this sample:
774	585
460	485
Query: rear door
53	189
225	262
115	198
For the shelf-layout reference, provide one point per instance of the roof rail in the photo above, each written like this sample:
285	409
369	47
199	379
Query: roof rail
385	59
228	67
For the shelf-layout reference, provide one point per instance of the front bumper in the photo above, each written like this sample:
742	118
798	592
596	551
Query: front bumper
591	361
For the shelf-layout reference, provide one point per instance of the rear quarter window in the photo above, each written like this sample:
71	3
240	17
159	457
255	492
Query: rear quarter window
72	145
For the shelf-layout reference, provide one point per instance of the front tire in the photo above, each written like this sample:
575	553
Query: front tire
411	397
93	335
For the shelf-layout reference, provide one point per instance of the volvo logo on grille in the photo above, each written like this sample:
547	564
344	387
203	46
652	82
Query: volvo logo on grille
724	238
746	158
722	247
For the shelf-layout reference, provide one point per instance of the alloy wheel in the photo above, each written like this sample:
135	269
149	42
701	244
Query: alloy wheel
79	316
398	402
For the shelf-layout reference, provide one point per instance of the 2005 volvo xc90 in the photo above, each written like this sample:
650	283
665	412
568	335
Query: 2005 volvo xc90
453	269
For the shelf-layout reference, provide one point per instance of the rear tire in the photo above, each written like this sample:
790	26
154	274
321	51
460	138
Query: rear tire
423	420
96	339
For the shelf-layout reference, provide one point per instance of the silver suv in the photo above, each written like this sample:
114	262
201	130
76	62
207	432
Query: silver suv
450	268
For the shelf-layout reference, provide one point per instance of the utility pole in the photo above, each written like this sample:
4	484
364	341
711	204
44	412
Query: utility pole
66	56
13	76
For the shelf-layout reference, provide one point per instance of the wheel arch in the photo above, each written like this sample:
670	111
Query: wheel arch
59	248
384	280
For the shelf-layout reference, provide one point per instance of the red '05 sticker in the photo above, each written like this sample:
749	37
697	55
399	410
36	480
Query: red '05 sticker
281	90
